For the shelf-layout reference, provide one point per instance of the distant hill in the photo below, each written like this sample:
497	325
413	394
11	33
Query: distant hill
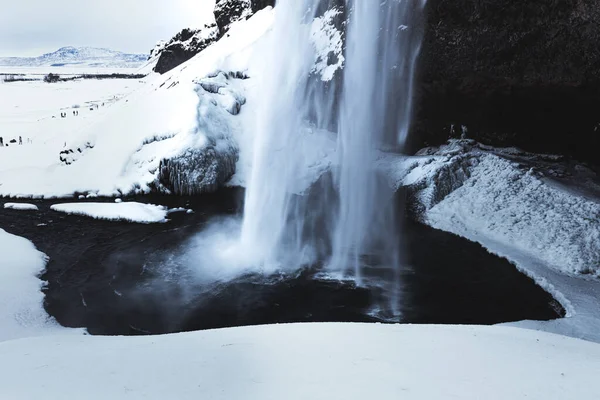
79	57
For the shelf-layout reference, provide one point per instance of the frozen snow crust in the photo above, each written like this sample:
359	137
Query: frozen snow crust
306	361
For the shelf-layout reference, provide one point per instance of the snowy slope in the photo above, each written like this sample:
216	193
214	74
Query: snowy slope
306	361
79	57
180	129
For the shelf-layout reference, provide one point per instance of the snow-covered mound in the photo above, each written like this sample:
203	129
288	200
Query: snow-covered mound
21	206
478	191
21	311
306	361
79	57
130	211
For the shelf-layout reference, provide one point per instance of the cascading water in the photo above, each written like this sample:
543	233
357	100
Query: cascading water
346	68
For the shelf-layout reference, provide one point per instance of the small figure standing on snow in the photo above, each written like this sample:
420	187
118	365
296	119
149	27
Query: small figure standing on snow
1	142
20	140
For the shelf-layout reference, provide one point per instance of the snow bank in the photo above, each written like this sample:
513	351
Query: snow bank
513	204
306	361
21	206
484	193
21	310
130	211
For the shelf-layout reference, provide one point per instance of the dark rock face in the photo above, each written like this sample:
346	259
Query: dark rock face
513	73
230	11
189	42
183	46
258	5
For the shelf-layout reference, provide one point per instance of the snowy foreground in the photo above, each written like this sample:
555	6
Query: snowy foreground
305	361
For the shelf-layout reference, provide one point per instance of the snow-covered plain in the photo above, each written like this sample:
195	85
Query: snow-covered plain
32	110
68	71
129	211
21	206
306	361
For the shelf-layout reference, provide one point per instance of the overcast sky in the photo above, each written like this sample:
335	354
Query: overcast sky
34	27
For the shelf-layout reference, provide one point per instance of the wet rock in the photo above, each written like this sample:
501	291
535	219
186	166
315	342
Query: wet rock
515	73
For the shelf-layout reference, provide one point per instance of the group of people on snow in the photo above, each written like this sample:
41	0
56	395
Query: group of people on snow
14	141
64	114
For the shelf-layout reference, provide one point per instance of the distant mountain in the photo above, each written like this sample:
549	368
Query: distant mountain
79	57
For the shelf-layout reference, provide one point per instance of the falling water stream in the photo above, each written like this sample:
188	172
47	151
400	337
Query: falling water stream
349	218
337	95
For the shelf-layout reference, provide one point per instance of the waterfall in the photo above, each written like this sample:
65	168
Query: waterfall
362	96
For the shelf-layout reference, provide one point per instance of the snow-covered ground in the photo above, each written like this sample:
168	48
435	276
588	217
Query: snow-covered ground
21	310
189	116
67	71
129	211
21	206
306	361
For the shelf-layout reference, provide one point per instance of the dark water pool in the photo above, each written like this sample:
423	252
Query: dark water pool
98	278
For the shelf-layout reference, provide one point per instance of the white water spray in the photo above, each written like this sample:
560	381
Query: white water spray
347	219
